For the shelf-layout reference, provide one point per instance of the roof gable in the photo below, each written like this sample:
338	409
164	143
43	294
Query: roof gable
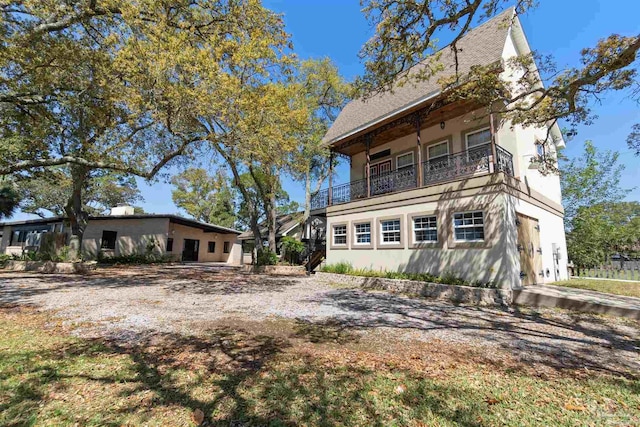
482	45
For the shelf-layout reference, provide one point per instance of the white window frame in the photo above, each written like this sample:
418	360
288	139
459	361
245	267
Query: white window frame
357	233
469	226
467	134
345	234
413	160
445	142
398	231
428	228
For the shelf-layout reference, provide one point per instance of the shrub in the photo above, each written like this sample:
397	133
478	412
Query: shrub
266	257
3	259
292	248
448	278
133	259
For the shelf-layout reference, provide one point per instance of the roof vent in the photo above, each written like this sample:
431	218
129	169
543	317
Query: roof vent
122	210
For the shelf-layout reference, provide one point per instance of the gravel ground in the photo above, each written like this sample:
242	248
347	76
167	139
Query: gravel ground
125	303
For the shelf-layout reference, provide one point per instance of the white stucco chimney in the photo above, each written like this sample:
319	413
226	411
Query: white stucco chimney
122	210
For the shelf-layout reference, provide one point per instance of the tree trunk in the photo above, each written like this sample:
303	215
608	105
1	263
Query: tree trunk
307	196
272	219
78	218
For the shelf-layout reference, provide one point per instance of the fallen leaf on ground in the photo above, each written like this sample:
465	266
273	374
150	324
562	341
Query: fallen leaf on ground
577	408
491	401
197	416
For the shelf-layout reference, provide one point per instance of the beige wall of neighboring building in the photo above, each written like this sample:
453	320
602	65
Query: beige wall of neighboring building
133	235
180	232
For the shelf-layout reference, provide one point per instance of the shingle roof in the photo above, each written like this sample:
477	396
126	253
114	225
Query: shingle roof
284	223
482	45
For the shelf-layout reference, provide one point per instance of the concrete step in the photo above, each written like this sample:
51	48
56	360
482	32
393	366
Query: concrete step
577	300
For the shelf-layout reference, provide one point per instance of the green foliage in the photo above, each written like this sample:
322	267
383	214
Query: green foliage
9	200
448	278
3	259
291	249
266	257
633	141
47	193
205	197
133	259
590	179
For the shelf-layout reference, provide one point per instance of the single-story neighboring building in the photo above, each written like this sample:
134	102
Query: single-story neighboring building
125	233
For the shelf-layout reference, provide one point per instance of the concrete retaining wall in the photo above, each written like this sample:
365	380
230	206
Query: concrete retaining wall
276	270
50	266
458	294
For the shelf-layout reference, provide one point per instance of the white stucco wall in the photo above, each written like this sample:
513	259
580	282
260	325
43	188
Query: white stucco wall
484	262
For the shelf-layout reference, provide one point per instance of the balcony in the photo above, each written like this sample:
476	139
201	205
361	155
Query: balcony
447	168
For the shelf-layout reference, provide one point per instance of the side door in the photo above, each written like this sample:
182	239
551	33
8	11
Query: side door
529	249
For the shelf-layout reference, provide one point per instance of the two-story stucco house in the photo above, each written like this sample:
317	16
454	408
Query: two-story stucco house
444	187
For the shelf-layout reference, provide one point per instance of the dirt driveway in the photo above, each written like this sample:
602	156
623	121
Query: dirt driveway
130	303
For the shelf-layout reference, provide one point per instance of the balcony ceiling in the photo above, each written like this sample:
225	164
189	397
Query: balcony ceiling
356	143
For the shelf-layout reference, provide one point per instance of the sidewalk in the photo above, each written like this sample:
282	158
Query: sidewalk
578	300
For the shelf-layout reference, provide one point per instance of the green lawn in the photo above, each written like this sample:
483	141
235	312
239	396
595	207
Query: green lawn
238	378
629	289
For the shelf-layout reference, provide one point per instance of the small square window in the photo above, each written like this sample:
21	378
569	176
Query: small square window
425	229
108	240
469	226
363	233
170	244
339	234
212	247
390	231
225	247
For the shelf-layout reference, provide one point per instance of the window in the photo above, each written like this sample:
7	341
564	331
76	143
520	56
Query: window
212	247
225	247
108	240
363	233
390	231
440	149
425	229
539	149
170	244
339	234
478	138
404	160
469	226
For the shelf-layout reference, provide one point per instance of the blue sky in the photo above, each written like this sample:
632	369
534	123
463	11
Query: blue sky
337	29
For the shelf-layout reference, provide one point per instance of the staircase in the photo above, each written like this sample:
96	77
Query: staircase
312	257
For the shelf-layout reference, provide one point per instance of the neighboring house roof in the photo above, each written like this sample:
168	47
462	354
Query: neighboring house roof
284	224
482	46
172	218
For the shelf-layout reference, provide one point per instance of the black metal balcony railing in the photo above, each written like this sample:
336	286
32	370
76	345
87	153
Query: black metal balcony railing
446	168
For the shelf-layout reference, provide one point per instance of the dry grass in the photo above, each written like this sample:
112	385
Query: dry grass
284	374
628	289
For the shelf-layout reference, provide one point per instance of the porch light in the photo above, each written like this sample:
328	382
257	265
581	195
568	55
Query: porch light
442	125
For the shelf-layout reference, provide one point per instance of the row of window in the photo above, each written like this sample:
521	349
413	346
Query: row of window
109	242
467	227
437	151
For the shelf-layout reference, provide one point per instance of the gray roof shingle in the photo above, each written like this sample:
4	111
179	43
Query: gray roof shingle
482	46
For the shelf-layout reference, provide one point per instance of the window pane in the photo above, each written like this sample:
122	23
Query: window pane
404	160
477	139
108	239
469	226
212	247
225	247
425	229
340	235
363	232
437	150
169	244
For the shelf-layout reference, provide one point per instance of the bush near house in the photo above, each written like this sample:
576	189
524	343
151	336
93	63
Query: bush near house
448	278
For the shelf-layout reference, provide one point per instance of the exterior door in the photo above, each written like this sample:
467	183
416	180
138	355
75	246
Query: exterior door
380	184
530	251
190	250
